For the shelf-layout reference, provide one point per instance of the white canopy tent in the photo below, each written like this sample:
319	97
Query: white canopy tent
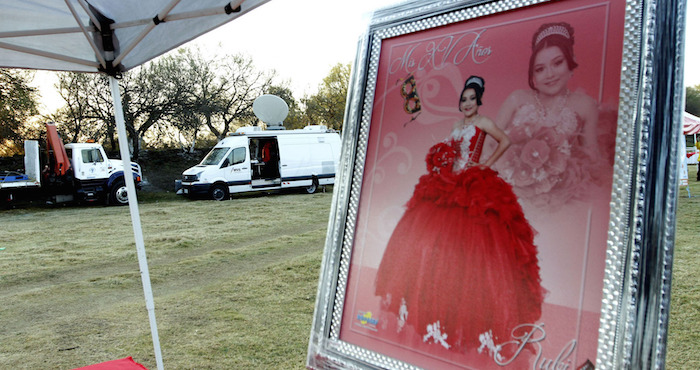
107	36
104	35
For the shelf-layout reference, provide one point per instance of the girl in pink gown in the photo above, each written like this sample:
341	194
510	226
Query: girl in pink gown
562	143
461	262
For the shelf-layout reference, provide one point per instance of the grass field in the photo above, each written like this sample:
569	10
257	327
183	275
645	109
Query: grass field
234	283
684	326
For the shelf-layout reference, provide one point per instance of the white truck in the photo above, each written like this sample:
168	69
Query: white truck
252	159
71	172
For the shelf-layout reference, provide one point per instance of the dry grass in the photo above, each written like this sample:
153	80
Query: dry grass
684	326
234	283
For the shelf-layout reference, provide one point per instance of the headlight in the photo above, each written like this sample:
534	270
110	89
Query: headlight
191	178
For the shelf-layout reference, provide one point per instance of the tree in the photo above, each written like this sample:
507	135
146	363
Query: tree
197	80
692	100
88	112
18	103
148	94
179	94
244	84
217	92
327	107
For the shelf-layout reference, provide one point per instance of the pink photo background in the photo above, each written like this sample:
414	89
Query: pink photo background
571	241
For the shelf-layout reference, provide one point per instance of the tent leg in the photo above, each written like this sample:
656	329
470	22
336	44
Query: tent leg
135	217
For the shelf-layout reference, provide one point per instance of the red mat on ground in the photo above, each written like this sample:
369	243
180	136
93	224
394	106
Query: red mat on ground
123	364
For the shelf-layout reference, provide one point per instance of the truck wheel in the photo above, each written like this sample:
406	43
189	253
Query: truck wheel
117	194
312	188
219	192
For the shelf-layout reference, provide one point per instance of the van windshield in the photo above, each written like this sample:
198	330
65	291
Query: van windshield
215	156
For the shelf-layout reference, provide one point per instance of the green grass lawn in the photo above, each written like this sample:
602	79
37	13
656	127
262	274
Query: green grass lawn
234	282
684	326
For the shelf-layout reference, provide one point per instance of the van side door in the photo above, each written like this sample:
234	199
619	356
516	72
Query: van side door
236	168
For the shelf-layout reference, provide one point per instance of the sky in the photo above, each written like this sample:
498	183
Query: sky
303	39
692	44
303	47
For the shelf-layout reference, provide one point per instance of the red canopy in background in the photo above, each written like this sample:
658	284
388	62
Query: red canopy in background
691	124
123	364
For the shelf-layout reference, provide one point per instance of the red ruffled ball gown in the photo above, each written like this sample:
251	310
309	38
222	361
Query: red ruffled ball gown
461	262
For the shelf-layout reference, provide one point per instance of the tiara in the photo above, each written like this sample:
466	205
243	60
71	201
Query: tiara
474	80
552	30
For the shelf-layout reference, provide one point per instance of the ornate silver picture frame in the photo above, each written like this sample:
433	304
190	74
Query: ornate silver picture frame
506	193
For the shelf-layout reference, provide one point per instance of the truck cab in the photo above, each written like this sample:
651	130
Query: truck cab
96	176
76	171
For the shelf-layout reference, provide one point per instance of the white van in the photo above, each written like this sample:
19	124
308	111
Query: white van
258	160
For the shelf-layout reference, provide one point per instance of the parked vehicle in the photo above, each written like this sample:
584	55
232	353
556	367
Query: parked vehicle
252	159
70	172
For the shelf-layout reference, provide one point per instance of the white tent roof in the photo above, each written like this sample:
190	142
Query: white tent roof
77	35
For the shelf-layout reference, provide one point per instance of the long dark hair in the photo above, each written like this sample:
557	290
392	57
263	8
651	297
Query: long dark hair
560	35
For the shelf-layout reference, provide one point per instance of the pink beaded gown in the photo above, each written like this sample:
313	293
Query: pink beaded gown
548	163
461	262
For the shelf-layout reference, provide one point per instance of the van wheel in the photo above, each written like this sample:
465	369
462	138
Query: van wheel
219	192
312	188
118	195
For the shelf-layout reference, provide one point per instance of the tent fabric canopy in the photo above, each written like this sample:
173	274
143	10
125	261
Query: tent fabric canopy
104	35
691	124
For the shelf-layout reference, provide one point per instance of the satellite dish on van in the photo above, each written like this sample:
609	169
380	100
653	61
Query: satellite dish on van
271	109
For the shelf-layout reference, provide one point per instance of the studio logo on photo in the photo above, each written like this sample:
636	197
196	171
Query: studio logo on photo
365	320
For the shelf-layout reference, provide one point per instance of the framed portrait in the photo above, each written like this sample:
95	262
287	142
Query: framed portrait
507	188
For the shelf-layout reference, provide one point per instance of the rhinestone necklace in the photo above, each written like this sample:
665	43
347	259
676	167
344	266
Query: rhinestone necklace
544	113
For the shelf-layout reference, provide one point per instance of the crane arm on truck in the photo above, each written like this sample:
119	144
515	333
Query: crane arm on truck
55	145
88	175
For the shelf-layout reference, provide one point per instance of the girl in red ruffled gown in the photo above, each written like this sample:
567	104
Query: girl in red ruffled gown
461	267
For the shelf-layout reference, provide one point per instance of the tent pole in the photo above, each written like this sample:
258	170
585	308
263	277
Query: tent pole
135	218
